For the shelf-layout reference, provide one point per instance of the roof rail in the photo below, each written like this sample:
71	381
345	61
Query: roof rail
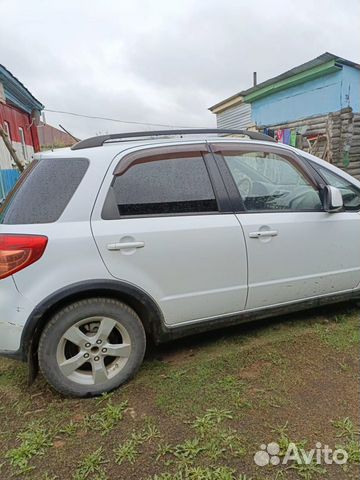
101	139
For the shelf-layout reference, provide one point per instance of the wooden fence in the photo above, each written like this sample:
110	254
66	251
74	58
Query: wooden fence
335	137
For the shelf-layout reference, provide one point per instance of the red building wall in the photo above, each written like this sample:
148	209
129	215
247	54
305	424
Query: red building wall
17	118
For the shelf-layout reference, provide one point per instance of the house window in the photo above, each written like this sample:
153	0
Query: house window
23	144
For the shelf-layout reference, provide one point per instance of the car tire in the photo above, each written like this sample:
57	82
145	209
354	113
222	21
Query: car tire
91	347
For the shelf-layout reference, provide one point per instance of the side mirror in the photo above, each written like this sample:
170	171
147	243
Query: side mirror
333	200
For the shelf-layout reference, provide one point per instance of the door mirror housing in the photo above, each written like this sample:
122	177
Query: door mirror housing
333	200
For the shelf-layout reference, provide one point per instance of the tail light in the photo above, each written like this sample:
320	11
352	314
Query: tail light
19	251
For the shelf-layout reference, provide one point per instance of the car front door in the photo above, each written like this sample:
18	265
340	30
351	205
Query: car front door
163	223
295	249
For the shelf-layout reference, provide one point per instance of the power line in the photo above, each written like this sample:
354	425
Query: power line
114	119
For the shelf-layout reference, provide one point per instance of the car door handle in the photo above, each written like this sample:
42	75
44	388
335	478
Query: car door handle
263	233
123	245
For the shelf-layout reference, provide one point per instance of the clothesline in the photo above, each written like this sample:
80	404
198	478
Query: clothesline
286	135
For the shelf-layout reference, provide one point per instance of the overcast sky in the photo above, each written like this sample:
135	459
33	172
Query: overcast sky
162	61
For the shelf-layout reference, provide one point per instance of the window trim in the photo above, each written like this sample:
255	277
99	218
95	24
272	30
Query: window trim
235	197
173	151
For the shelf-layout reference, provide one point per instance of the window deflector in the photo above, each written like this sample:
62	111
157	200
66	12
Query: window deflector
158	153
233	149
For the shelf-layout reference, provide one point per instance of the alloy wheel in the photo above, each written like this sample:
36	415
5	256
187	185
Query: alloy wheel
93	350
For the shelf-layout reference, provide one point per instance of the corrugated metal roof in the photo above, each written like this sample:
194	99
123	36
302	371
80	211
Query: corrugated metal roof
321	59
5	74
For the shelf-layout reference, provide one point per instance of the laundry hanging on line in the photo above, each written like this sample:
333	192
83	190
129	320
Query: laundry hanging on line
269	131
280	135
286	137
293	138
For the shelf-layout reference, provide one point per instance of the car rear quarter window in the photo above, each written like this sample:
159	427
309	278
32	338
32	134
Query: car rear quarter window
161	187
43	191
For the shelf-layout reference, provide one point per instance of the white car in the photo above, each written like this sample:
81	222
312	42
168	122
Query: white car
127	237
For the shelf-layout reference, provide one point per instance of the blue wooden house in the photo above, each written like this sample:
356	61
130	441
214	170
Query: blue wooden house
319	101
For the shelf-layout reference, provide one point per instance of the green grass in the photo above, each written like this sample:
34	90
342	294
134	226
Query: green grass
69	429
216	370
34	441
283	439
345	428
309	471
107	417
129	450
352	447
163	450
47	476
342	334
201	473
13	376
348	435
198	412
188	450
225	443
212	417
210	375
91	466
213	443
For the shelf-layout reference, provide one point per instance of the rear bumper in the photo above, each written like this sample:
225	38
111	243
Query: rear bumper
14	312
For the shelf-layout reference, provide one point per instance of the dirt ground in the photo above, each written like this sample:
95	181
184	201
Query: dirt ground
199	409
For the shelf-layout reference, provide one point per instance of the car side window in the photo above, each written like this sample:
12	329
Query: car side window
350	193
271	182
160	187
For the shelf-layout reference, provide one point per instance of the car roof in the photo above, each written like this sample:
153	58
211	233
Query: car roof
114	148
106	153
127	140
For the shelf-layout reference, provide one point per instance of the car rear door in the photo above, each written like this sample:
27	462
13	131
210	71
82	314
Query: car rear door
163	222
296	250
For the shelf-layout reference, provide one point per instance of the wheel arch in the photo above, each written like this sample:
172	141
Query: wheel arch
142	303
